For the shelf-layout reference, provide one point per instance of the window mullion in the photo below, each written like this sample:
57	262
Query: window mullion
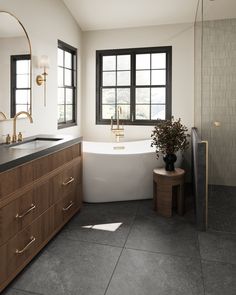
150	92
132	90
116	105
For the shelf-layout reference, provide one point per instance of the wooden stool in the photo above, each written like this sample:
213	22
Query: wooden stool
163	183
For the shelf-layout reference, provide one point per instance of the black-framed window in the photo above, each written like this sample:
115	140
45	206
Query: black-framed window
138	80
20	83
67	88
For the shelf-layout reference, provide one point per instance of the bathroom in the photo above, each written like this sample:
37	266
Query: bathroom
114	242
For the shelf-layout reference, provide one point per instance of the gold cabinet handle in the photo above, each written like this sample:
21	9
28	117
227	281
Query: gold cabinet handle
68	207
32	240
32	207
70	180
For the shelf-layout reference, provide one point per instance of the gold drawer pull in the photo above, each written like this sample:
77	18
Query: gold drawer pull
32	240
70	180
32	207
68	207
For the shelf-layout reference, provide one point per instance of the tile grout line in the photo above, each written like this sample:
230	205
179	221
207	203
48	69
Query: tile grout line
164	253
123	248
221	232
218	261
25	291
202	275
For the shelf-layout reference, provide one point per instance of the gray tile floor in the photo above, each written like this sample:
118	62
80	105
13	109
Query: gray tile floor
222	208
125	248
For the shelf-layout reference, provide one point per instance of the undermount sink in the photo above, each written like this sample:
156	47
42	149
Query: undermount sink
34	144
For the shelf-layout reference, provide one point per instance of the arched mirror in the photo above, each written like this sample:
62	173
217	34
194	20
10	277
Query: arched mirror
15	66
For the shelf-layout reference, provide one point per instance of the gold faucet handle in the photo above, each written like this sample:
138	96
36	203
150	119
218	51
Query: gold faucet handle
20	136
14	138
8	139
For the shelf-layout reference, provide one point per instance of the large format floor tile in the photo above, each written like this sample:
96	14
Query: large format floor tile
11	291
70	268
219	278
107	224
218	247
222	208
167	235
146	208
143	273
82	259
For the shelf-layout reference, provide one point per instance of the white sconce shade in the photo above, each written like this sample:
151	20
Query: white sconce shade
44	62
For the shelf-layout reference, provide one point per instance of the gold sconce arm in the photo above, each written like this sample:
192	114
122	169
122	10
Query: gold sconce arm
42	79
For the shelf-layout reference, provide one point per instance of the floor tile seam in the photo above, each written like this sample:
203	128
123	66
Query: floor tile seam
112	274
164	253
221	232
26	291
131	225
91	242
202	274
217	261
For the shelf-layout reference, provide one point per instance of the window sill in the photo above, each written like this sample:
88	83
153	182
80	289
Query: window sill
66	125
130	123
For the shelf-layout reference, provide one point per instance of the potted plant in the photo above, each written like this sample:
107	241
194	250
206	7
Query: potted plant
170	136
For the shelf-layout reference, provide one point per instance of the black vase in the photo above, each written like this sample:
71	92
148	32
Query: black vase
170	160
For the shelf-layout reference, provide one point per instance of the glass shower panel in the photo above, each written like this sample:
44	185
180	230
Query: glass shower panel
198	66
218	111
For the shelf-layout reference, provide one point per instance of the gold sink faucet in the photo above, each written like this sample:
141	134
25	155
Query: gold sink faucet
14	136
118	131
3	116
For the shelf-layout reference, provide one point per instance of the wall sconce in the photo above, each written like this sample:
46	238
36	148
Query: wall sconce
42	79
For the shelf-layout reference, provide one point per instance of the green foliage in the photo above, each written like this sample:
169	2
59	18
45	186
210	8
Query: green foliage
169	137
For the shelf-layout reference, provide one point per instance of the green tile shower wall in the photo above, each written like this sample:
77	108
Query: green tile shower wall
218	100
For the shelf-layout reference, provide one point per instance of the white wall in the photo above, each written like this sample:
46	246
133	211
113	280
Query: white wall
180	37
46	21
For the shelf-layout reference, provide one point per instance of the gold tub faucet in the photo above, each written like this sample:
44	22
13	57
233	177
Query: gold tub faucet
118	130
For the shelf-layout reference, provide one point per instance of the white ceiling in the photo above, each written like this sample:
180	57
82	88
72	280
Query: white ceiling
113	14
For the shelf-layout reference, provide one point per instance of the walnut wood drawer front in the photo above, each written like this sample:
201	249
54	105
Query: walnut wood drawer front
51	162
66	208
67	181
16	178
25	244
22	211
13	179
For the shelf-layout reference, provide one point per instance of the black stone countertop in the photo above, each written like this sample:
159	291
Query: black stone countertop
12	157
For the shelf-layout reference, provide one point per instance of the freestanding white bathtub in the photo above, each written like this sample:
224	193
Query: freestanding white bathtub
119	171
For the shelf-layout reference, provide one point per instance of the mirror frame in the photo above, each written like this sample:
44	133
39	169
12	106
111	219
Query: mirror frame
31	61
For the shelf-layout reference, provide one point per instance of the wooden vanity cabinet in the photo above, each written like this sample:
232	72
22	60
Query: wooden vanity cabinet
36	200
23	210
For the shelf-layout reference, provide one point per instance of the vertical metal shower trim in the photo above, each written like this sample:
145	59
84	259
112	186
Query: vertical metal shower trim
207	179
